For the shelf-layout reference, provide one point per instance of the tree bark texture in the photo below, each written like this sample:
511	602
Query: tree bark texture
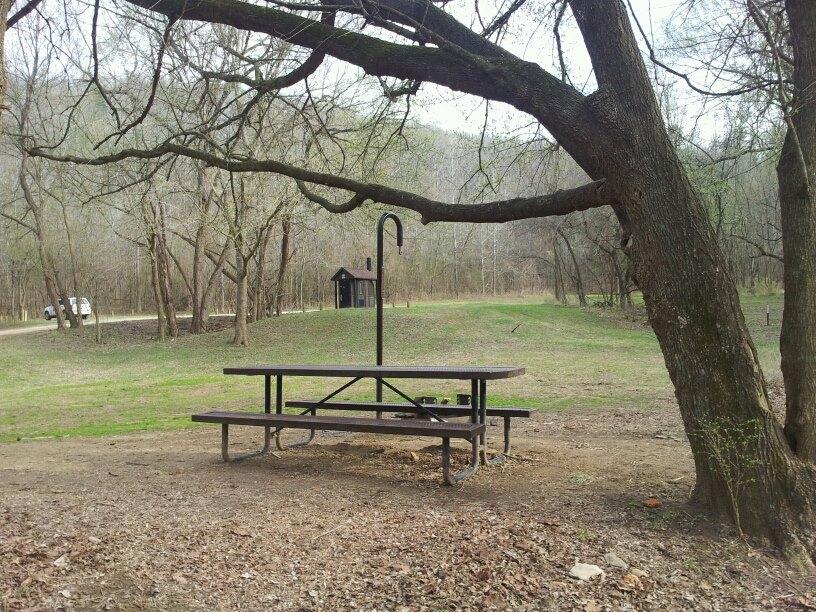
286	229
163	268
241	335
744	465
797	193
157	292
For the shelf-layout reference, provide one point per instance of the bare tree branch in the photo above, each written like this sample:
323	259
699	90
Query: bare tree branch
760	249
16	17
561	202
463	61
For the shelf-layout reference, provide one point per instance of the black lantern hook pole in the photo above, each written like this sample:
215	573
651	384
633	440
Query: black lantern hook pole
380	224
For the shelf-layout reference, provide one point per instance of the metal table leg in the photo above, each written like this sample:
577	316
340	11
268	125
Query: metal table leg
225	447
267	430
306	442
473	466
279	410
474	401
267	410
500	458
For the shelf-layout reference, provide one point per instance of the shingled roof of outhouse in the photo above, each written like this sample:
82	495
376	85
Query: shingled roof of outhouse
358	273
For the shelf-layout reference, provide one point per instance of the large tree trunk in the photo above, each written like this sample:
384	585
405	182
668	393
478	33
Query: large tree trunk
74	268
286	228
163	264
744	465
200	290
258	306
241	336
797	194
157	292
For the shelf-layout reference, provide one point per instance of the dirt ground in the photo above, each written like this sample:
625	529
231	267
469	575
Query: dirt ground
157	521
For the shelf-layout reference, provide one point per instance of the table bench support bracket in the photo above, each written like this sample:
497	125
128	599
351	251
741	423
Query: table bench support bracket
500	458
313	411
306	442
473	466
225	446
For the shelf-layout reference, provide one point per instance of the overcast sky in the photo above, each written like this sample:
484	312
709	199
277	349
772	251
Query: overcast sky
437	106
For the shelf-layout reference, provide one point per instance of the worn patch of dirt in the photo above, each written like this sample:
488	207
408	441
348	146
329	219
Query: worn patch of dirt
144	330
156	521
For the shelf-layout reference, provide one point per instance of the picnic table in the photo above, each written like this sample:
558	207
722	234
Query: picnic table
432	425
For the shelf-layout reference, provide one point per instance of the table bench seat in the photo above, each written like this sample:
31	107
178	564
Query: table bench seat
412	427
440	409
466	431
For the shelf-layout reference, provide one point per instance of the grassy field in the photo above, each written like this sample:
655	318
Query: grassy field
65	385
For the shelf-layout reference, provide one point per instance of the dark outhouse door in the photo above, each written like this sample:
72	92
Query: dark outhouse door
361	294
345	293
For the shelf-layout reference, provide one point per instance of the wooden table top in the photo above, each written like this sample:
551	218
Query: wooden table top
447	372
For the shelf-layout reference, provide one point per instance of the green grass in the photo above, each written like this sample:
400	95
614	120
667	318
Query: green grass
66	385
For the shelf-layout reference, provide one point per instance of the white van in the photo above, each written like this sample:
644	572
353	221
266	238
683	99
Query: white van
84	308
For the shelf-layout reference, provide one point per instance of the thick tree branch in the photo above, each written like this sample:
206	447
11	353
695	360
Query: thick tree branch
481	69
304	70
355	201
431	22
25	10
562	202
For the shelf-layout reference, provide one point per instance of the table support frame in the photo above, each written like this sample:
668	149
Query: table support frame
478	454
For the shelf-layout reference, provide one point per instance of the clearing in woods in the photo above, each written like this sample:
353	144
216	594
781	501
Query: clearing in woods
152	519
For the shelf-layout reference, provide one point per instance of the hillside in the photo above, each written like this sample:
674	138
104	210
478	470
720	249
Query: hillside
577	359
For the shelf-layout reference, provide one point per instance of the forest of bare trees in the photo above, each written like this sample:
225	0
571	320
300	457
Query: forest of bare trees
163	239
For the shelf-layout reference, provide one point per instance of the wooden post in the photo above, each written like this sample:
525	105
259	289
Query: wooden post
767	315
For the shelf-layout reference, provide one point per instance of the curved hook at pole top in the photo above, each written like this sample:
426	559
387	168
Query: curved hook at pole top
381	223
